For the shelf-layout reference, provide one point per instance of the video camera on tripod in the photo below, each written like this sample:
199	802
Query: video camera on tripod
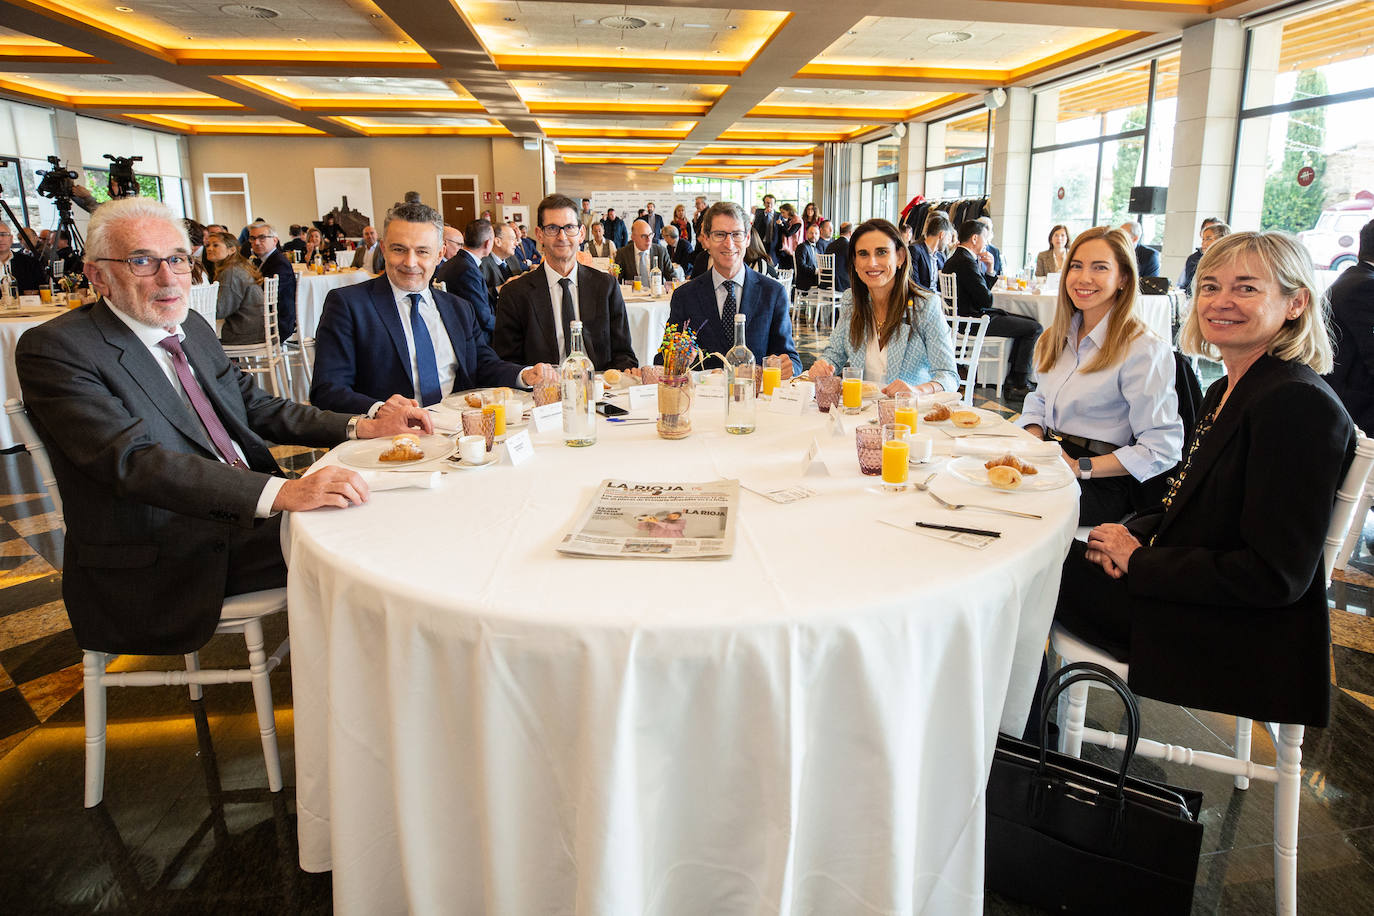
123	183
57	182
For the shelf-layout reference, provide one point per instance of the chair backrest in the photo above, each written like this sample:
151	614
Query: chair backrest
271	333
1343	514
785	278
949	294
441	286
19	420
203	298
825	273
968	336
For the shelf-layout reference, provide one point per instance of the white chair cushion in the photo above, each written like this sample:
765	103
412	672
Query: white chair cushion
254	604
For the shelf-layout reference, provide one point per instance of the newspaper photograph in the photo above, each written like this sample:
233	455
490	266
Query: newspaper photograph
656	520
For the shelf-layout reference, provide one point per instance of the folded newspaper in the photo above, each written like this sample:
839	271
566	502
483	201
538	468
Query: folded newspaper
656	520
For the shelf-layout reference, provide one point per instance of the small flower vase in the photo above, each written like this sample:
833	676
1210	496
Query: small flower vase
675	406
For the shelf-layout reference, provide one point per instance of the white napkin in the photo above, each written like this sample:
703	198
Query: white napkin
399	480
1021	447
928	401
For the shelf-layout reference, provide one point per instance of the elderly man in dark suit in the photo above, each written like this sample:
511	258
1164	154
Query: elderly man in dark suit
271	262
708	303
464	277
398	336
532	325
1146	258
1352	318
160	446
974	294
637	259
368	255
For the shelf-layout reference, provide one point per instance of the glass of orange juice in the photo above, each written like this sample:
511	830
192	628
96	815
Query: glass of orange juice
852	392
896	452
904	412
498	411
772	377
638	285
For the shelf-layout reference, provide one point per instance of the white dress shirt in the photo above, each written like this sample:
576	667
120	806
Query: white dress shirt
718	281
875	360
443	347
556	294
1132	402
151	337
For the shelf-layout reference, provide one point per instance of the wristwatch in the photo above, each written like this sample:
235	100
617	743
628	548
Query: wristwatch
353	426
1085	468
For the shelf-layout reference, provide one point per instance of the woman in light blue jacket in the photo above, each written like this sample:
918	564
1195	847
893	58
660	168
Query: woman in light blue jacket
889	325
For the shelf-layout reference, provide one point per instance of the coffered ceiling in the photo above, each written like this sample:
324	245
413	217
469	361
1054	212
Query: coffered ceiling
698	86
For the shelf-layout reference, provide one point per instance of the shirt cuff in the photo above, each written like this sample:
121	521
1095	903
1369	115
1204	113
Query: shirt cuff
519	383
372	411
268	497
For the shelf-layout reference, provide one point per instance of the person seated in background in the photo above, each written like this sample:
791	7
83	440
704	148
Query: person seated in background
25	269
518	261
1051	260
685	232
1217	597
973	291
206	264
270	262
807	259
827	230
701	257
614	229
789	229
1185	279
358	366
1351	299
1146	258
314	247
991	256
297	241
891	328
239	301
63	253
839	247
527	248
1106	381
707	303
533	323
498	265
928	255
598	246
463	275
331	232
161	446
638	259
756	256
698	216
453	241
368	255
679	251
811	216
195	233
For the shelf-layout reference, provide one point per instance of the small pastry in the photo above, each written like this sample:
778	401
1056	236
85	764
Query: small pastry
404	447
611	377
1011	461
872	390
1004	478
965	418
937	413
474	399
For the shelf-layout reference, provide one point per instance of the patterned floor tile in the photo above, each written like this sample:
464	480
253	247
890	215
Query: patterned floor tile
13	499
47	694
34	623
15	714
36	524
17	547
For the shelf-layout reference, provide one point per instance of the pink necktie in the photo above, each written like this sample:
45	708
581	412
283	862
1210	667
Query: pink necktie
218	434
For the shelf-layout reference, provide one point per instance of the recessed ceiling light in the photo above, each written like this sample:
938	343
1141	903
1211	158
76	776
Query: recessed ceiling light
617	86
281	79
1047	41
586	22
949	38
803	91
621	48
853	31
509	19
300	39
124	9
402	42
695	25
376	15
523	46
661	88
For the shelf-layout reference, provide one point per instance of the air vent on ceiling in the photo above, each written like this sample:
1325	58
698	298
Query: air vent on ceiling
617	85
624	23
248	11
949	38
848	92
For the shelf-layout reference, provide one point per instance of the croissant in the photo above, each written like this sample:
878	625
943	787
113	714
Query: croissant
937	413
1004	478
965	418
1011	461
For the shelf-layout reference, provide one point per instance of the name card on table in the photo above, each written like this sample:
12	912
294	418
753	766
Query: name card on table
642	396
519	447
789	400
836	423
30	302
548	417
813	463
786	493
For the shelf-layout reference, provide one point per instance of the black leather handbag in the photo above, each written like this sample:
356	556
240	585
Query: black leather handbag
1072	836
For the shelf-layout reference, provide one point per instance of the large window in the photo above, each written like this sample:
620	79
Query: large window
878	166
26	140
730	189
158	172
957	151
1096	139
1305	160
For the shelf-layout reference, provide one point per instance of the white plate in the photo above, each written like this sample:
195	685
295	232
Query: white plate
926	402
364	453
1052	475
456	461
458	400
986	417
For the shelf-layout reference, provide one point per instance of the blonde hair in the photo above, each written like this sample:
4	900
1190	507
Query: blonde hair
1123	326
1305	339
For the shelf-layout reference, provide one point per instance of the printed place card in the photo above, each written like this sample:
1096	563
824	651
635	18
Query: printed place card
519	447
548	417
780	494
789	400
836	422
813	463
30	302
642	396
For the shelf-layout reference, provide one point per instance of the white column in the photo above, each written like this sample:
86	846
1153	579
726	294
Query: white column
912	158
1009	177
69	150
1211	69
1252	159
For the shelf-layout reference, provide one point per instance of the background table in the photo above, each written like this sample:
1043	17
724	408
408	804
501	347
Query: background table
1155	311
10	331
484	725
311	290
647	316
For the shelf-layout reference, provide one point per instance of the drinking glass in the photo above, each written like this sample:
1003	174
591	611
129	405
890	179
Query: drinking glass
868	440
895	454
853	389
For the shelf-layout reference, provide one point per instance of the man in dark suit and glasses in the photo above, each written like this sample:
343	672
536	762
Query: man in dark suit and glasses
396	336
271	262
463	275
708	303
532	324
160	446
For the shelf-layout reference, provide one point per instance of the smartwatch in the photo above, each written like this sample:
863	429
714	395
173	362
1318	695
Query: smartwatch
1085	468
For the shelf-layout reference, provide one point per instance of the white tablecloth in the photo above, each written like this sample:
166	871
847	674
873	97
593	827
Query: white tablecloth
10	331
484	725
310	292
647	317
1155	311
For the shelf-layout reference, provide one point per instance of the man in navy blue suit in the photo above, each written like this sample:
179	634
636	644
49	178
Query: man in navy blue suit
708	303
655	221
270	261
463	277
929	252
395	338
1146	258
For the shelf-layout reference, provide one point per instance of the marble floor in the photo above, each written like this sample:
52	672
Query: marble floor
188	825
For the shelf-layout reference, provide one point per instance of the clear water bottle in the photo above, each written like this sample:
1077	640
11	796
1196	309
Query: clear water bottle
579	402
656	282
739	384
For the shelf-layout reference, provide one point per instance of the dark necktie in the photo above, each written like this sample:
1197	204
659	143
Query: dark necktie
204	409
727	312
566	283
425	362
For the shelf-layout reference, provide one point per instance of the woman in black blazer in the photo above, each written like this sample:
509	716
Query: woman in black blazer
1217	598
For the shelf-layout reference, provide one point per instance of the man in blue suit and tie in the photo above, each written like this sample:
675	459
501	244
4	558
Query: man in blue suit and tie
396	337
708	303
462	275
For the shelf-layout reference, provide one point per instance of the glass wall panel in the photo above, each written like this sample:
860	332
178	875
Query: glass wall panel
958	139
1062	191
1102	105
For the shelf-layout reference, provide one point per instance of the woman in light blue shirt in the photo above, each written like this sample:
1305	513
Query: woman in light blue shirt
1106	385
889	325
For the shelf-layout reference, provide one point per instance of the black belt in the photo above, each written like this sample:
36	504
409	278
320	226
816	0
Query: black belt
1095	446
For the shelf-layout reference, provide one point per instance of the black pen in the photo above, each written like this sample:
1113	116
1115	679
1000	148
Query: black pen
990	534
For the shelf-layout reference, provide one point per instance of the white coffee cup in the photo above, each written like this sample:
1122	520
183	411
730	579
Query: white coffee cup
473	449
514	412
921	447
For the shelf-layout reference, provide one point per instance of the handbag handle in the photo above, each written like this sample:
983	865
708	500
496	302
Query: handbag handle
1072	674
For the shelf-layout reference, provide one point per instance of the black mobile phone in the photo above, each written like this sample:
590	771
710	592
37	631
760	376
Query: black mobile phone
607	409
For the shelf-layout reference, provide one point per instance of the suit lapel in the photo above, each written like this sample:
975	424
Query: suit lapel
391	320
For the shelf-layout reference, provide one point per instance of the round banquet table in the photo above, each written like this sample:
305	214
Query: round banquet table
1155	311
485	725
647	316
11	329
311	290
